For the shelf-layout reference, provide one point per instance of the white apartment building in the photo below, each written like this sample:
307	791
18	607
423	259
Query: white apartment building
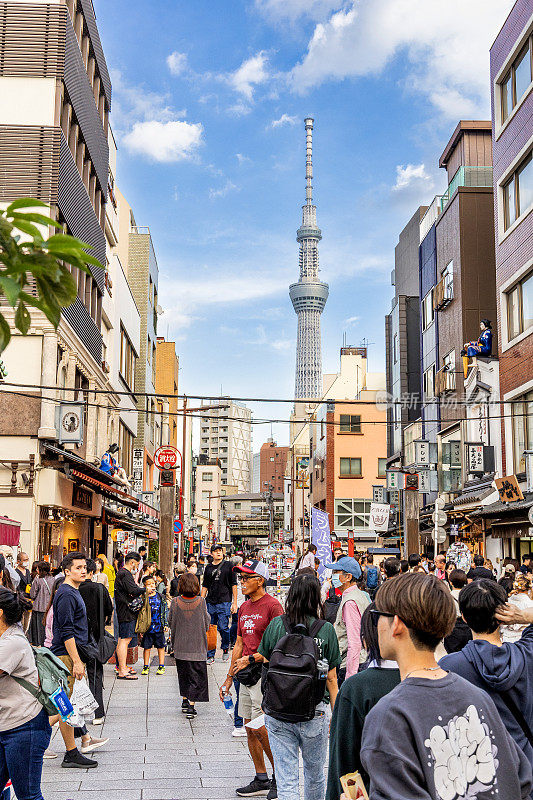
226	434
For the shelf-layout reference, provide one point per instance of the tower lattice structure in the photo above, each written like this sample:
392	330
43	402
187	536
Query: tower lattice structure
309	295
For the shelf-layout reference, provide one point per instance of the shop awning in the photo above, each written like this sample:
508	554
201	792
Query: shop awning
121	497
80	470
9	532
141	528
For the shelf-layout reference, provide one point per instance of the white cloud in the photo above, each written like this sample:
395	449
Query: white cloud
250	74
242	159
132	103
412	176
285	119
293	9
447	61
177	63
229	186
350	321
239	109
164	141
282	345
185	298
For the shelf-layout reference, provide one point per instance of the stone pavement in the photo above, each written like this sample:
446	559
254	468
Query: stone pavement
154	753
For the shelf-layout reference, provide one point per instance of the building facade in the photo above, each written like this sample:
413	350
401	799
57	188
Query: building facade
250	517
402	339
348	448
272	466
226	434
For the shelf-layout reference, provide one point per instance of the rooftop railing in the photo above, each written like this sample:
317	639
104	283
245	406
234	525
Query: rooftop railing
466	176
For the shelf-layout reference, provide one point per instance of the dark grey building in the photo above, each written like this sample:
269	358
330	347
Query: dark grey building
402	339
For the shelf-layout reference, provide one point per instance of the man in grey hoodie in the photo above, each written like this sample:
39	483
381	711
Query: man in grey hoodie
503	670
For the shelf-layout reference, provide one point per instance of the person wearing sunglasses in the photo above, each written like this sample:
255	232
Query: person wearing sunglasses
435	735
255	615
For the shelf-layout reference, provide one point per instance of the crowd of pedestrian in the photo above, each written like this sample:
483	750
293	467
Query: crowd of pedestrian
418	673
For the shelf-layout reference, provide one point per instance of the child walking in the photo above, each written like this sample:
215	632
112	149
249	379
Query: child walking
155	635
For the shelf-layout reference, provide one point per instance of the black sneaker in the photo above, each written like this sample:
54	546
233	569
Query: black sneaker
273	793
184	706
191	712
78	761
255	788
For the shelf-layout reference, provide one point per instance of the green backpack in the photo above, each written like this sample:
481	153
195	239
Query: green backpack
53	674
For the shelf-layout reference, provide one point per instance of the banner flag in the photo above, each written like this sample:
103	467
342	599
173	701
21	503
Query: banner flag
321	536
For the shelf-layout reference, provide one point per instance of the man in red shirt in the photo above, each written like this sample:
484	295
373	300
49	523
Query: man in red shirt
255	614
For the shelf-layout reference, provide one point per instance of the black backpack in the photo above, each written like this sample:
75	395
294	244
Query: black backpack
331	606
293	686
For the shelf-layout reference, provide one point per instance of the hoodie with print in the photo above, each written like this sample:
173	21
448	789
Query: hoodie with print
508	668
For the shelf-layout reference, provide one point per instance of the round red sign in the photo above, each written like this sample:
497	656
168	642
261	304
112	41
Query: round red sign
166	458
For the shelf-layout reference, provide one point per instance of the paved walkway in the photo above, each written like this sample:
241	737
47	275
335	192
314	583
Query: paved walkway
154	753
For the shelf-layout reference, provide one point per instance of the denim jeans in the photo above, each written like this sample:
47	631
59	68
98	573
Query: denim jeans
238	721
286	740
233	629
21	756
220	614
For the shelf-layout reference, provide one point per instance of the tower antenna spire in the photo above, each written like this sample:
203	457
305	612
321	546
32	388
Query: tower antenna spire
309	295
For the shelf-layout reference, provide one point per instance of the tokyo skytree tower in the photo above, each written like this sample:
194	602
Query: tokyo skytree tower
309	295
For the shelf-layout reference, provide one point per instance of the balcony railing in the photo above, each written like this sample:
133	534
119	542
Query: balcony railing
430	216
444	382
466	176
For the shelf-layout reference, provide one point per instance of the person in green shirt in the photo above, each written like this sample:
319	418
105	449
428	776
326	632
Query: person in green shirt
287	739
356	697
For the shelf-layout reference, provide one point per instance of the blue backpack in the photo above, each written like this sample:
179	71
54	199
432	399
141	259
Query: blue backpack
372	578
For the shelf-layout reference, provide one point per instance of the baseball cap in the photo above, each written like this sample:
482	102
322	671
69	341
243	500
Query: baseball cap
216	546
254	567
346	564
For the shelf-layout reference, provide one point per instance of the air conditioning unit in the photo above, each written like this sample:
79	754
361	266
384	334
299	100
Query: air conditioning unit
105	367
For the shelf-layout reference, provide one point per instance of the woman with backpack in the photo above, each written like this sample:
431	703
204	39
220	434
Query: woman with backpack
302	655
24	727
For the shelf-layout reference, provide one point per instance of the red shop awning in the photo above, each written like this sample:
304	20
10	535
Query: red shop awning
9	532
106	490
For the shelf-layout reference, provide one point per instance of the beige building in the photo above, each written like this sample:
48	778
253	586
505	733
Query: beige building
226	434
208	493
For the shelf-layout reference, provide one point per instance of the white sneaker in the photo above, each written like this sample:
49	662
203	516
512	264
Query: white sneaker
98	721
93	744
238	732
49	754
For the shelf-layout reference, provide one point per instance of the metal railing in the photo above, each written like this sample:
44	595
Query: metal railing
430	216
466	176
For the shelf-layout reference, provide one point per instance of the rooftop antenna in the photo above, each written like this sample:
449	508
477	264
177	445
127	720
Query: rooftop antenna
366	343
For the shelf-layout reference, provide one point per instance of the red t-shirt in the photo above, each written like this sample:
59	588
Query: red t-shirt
254	619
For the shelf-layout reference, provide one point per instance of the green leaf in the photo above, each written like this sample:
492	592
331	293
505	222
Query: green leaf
11	289
5	333
25	202
22	319
40	219
29	228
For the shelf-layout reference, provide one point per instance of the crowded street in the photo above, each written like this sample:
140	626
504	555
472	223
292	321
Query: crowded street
153	752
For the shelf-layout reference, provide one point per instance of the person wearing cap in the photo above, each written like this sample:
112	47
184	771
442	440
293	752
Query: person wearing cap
219	587
255	615
345	572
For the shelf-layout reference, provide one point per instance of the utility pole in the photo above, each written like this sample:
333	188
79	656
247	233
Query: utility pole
411	521
166	529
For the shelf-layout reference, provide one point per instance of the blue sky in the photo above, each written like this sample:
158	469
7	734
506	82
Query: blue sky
209	98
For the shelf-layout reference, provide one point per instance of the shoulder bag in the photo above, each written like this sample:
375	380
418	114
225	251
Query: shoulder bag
107	644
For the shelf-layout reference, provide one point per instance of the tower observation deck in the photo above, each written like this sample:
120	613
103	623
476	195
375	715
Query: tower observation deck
309	295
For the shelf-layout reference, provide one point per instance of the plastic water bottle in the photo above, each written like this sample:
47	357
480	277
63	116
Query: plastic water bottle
228	704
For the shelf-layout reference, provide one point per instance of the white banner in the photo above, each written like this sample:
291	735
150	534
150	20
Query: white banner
379	517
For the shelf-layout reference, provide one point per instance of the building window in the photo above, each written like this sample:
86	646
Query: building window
518	192
429	382
382	467
206	495
149	351
272	458
448	281
125	443
236	506
522	429
350	423
448	363
127	360
520	307
428	313
352	514
208	477
351	467
516	81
